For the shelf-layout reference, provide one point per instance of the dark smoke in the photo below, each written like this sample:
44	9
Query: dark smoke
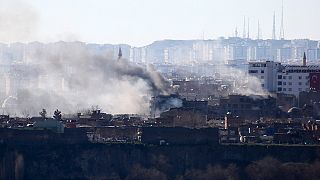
164	103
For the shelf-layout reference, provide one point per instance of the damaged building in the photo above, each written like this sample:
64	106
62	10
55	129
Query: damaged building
250	107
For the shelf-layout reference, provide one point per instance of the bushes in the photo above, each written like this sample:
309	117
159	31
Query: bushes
270	168
141	173
212	172
265	169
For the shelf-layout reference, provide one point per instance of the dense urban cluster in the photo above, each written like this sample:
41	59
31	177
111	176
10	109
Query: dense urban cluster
204	107
240	97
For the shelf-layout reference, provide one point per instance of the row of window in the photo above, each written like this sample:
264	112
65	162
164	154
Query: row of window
258	65
280	83
303	71
290	77
256	71
284	77
290	89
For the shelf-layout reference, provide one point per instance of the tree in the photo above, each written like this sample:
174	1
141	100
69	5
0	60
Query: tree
266	168
57	115
43	113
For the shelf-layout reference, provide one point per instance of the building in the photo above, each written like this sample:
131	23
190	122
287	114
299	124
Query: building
183	117
286	79
231	121
236	54
249	107
49	124
267	73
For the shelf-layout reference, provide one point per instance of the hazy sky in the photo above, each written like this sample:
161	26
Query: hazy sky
139	22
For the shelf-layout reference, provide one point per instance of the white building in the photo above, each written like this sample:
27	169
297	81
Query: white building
202	51
236	54
287	79
267	73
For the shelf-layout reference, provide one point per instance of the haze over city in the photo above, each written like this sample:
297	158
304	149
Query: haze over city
170	89
141	22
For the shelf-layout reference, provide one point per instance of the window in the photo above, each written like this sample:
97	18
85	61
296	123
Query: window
280	83
279	89
253	71
300	77
284	83
290	77
300	83
262	71
256	65
290	83
300	89
289	89
279	76
284	77
262	85
307	77
284	89
262	77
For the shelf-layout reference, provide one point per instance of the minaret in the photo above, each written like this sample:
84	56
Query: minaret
274	27
258	35
304	61
244	28
281	28
248	36
119	54
236	32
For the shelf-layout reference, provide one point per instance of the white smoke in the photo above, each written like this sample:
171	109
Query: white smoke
18	21
245	84
68	77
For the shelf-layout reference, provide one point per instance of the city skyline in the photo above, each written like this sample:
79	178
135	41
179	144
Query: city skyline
142	22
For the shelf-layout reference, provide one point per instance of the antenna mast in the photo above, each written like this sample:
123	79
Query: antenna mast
274	27
282	28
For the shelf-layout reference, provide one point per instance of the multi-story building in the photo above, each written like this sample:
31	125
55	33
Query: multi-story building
202	51
287	79
236	54
266	72
248	106
284	54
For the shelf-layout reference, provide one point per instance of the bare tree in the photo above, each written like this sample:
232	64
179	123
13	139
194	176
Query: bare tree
43	113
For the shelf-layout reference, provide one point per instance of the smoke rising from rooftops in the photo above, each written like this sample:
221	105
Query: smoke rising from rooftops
69	77
244	83
241	82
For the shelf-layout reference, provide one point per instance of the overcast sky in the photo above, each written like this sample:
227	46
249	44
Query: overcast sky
139	22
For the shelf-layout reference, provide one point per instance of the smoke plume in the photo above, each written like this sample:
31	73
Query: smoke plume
69	77
245	84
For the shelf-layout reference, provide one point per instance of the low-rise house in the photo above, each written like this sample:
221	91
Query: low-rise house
50	124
